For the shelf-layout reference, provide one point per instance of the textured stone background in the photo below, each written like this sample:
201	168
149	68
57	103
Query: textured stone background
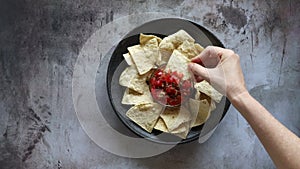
39	44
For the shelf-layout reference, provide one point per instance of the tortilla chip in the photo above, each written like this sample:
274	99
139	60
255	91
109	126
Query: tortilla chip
164	56
138	84
178	62
182	130
199	47
144	57
132	98
197	95
145	115
174	40
152	51
151	43
127	75
166	46
161	126
169	116
189	49
205	96
182	135
142	63
171	42
174	117
145	38
194	110
212	106
128	59
206	88
202	96
203	112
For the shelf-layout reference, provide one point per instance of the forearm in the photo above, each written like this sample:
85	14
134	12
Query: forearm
282	145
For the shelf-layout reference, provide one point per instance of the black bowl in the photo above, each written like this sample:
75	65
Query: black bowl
160	28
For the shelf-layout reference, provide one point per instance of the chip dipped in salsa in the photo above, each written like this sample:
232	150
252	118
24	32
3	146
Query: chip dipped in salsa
169	88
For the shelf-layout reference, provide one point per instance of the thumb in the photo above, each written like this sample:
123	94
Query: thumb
199	71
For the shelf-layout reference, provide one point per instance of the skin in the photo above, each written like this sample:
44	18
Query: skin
221	68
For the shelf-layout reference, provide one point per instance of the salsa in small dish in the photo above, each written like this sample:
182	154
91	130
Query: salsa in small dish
168	88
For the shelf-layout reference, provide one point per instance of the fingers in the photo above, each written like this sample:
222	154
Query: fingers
197	60
221	68
200	72
209	57
198	78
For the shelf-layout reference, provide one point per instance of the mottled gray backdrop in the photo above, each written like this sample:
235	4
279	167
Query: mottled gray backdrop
39	44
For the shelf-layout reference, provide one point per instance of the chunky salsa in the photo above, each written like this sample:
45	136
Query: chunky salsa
169	88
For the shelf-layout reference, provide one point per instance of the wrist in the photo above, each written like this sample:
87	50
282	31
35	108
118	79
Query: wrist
237	98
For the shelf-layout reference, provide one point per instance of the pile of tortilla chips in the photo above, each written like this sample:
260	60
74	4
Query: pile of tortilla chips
175	51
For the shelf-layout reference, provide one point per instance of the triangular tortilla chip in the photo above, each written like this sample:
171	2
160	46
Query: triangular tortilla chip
194	110
145	57
212	106
189	49
132	98
127	75
206	88
143	63
199	47
145	115
171	42
166	46
152	51
164	55
174	117
175	39
138	84
145	38
197	95
151	43
203	112
182	135
131	79
161	126
202	96
182	130
178	62
128	59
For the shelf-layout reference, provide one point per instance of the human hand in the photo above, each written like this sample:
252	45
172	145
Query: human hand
221	68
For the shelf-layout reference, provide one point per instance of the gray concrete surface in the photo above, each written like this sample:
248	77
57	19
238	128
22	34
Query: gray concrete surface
39	44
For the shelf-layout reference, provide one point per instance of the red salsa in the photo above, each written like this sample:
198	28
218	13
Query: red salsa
169	88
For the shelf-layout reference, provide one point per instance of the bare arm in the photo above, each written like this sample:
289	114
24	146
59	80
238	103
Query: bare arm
223	71
282	145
